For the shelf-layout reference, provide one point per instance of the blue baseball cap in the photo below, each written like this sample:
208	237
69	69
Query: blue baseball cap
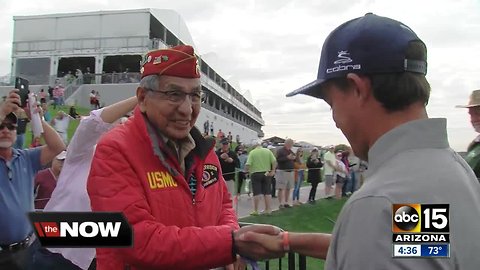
366	45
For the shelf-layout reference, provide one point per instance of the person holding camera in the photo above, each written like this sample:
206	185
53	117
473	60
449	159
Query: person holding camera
17	171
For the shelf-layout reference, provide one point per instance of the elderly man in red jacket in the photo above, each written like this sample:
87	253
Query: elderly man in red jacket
165	177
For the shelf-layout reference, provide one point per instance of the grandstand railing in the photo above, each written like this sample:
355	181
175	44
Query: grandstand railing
86	78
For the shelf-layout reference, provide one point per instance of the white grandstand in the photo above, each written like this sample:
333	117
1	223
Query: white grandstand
101	51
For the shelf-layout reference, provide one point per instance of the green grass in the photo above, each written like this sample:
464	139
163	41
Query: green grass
53	112
319	217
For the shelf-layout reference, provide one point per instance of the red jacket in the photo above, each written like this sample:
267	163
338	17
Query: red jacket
171	229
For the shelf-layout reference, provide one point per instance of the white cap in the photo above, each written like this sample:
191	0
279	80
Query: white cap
62	155
314	149
257	142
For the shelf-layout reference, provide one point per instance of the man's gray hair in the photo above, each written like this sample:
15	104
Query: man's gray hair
150	82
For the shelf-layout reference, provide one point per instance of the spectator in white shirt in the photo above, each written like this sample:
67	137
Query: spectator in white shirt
93	99
70	193
60	124
329	169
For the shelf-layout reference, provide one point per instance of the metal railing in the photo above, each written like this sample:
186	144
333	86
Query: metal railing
289	260
230	117
86	78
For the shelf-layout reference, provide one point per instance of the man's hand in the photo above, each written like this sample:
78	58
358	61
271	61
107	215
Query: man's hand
272	243
10	104
38	109
254	249
239	264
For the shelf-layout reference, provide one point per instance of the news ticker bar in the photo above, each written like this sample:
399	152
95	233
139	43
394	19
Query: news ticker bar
423	250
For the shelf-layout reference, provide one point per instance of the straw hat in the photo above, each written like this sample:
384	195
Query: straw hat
474	100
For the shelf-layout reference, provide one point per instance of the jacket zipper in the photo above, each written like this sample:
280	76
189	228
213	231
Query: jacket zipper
194	202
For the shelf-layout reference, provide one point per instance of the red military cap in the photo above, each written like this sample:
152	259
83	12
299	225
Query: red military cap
179	61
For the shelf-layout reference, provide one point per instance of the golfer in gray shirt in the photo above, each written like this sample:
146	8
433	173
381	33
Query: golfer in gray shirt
372	75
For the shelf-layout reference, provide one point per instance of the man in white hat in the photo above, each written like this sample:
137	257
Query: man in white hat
473	150
46	180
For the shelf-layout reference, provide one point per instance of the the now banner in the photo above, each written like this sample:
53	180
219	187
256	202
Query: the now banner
82	229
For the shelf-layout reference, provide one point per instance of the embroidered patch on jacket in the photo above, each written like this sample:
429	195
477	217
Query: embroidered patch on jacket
160	180
209	175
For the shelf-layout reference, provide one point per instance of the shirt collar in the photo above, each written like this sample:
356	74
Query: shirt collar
187	140
413	135
183	146
15	152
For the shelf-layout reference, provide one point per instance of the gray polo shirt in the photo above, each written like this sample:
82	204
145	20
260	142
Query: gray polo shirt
409	164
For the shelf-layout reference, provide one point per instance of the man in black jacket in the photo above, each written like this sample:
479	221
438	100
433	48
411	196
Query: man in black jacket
314	163
229	161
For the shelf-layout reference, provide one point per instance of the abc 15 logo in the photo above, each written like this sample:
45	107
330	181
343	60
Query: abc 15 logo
420	218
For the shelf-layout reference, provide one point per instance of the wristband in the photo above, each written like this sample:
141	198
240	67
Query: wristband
234	249
285	241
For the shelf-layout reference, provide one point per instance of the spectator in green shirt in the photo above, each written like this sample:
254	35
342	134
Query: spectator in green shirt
261	165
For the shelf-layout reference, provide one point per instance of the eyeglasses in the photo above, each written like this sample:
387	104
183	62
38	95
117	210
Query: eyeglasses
178	97
10	126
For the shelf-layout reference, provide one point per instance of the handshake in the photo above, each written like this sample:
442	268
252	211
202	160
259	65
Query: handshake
258	242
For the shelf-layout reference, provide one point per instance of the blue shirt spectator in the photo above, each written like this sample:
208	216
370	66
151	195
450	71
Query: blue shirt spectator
17	171
15	201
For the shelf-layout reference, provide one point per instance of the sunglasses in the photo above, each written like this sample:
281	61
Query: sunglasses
10	126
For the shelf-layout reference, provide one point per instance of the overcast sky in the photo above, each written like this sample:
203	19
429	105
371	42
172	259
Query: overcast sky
271	47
